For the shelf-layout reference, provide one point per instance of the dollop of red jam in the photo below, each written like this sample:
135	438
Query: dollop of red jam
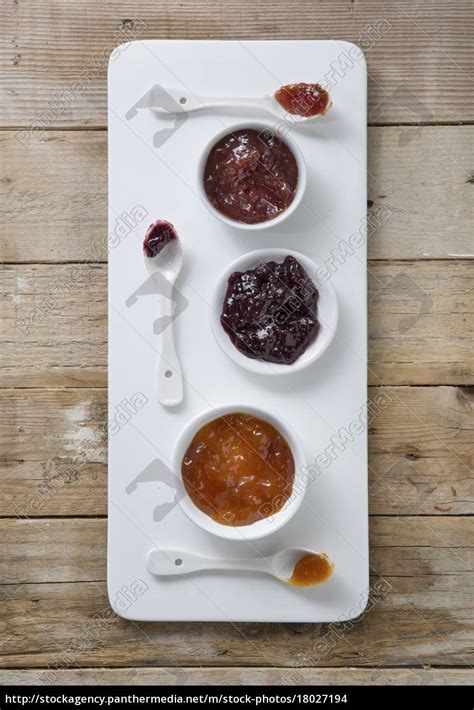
304	99
270	313
159	234
238	469
251	176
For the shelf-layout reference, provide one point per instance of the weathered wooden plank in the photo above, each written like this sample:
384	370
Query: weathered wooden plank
55	325
74	550
420	324
39	424
55	486
239	676
54	446
422	175
54	61
53	197
423	616
53	550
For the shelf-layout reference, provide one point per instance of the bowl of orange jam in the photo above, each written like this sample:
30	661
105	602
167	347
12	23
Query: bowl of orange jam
242	470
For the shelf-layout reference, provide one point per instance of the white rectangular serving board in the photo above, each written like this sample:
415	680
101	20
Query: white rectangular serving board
160	180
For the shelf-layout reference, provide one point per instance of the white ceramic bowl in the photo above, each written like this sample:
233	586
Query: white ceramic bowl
262	527
327	313
300	187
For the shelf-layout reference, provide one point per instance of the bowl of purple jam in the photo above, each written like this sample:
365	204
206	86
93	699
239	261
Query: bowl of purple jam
250	177
270	314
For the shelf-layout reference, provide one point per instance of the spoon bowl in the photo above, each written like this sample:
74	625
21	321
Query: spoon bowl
168	262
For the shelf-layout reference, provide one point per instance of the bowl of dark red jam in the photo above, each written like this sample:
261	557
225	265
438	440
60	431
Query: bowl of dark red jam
251	177
271	314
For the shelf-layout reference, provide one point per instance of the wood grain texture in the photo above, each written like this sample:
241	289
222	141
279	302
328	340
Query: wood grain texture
59	48
76	549
56	618
56	325
53	196
54	447
421	324
239	676
424	614
62	486
423	176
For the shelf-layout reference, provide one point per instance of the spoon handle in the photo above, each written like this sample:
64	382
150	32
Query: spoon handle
217	102
168	376
165	563
169	379
185	102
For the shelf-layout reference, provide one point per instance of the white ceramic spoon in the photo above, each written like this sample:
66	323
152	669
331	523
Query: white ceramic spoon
168	376
164	563
178	101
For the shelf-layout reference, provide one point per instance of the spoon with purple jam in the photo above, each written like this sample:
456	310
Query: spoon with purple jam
301	100
164	259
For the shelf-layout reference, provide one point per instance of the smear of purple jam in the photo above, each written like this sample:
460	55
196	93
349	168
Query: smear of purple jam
270	313
159	234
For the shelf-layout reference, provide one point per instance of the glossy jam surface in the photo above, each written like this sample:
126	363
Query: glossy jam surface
311	569
303	99
159	234
270	312
238	469
250	177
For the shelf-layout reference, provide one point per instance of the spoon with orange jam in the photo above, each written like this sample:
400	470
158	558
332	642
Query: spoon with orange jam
294	565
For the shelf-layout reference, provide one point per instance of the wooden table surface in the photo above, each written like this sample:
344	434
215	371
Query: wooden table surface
56	621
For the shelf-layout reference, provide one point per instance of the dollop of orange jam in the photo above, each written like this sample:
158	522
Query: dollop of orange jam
238	469
311	569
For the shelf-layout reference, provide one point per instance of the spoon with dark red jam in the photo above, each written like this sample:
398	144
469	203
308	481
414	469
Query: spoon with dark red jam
303	101
164	259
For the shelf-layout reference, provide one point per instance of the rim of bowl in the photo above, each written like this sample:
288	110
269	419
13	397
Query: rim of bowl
328	313
261	528
300	185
